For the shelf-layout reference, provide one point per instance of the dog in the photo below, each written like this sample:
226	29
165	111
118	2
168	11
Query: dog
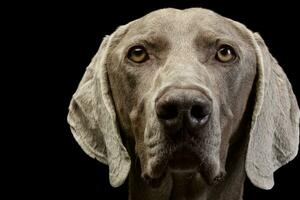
187	103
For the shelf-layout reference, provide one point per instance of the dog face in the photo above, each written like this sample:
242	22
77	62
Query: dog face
180	85
178	82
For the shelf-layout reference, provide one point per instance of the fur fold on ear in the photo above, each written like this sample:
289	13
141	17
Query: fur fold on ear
274	134
93	121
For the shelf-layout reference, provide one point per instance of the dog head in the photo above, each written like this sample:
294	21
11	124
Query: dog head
178	84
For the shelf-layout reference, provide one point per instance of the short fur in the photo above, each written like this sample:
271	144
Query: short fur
253	128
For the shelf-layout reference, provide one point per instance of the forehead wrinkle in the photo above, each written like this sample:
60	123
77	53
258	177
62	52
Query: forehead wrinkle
207	36
211	37
151	39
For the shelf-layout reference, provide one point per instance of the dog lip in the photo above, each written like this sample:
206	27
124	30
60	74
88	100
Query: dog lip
153	182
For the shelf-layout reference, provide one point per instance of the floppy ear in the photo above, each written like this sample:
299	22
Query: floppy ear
274	134
93	121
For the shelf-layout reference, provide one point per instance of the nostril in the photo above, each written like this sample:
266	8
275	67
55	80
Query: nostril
167	111
199	112
196	112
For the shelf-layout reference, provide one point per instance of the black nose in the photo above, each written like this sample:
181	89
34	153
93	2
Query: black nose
183	108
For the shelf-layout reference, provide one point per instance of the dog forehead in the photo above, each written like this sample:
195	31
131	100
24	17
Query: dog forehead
180	25
176	23
173	16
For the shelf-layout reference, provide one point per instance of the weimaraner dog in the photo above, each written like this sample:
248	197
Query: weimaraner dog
186	103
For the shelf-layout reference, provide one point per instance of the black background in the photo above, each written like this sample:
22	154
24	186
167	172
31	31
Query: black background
50	44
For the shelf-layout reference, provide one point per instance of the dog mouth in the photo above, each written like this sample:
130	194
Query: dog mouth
181	160
185	159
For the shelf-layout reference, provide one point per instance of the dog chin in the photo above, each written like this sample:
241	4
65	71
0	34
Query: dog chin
183	161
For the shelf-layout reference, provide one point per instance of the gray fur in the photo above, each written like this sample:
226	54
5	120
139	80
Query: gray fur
253	128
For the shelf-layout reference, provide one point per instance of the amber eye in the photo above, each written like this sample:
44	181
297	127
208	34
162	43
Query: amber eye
138	54
225	53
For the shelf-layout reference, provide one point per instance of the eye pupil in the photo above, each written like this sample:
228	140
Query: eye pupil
225	51
138	51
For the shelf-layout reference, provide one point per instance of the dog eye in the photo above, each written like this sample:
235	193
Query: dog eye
138	54
225	53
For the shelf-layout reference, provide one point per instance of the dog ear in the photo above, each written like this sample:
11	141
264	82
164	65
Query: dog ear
93	121
274	133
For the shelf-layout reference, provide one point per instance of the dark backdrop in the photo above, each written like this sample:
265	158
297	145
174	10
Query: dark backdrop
54	42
